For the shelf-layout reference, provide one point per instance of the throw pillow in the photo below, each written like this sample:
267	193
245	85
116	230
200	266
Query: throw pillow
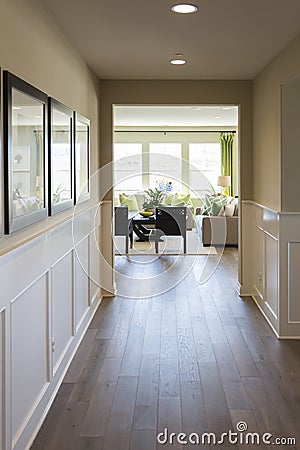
213	205
206	209
180	199
222	211
130	201
169	199
229	209
217	204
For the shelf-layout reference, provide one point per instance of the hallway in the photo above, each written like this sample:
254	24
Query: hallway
195	359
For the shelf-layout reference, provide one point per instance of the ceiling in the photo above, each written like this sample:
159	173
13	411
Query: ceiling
225	39
188	116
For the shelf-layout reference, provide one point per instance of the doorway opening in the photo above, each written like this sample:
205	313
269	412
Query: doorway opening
185	155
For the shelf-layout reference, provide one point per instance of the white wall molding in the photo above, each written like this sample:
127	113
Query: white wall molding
293	282
275	262
259	205
29	352
2	375
50	292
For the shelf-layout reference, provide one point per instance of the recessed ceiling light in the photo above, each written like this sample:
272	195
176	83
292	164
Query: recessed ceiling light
178	59
217	117
184	8
178	62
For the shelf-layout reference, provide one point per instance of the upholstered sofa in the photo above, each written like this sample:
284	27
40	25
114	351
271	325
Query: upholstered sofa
218	230
135	203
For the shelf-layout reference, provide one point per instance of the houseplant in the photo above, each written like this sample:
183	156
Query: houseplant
153	198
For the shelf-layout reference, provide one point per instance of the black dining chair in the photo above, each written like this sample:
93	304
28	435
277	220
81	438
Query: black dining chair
123	226
170	221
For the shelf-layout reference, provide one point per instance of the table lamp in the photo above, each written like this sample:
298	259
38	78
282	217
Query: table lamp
224	181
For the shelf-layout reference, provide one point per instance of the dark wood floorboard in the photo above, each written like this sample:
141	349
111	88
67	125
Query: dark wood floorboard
195	359
169	417
192	410
143	440
89	443
146	405
99	408
84	388
118	431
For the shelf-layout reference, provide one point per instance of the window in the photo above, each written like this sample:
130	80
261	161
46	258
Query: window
204	158
140	166
127	168
165	165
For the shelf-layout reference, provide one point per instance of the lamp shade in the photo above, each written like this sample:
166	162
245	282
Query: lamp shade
224	181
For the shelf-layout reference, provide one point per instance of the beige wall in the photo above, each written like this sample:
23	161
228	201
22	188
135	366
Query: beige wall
290	154
267	130
168	92
33	48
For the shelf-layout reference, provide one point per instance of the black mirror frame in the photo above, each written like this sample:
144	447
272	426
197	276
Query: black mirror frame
10	82
1	166
86	196
56	208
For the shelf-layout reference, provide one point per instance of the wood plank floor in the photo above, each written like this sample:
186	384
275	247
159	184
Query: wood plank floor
194	359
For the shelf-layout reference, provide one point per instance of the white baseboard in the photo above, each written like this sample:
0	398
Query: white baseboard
266	317
243	290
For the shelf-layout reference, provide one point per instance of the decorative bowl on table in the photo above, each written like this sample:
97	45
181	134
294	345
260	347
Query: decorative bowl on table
146	213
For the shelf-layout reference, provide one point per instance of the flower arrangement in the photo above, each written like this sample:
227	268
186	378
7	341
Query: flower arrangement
164	186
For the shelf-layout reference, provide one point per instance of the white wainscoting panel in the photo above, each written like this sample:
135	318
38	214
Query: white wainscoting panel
19	268
289	275
59	242
264	254
294	282
29	346
107	254
271	276
258	261
84	223
62	307
275	256
81	274
50	288
245	285
2	377
95	256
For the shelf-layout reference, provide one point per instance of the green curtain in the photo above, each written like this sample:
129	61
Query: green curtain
226	140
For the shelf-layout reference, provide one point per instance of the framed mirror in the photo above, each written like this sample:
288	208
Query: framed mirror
61	194
25	153
82	158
